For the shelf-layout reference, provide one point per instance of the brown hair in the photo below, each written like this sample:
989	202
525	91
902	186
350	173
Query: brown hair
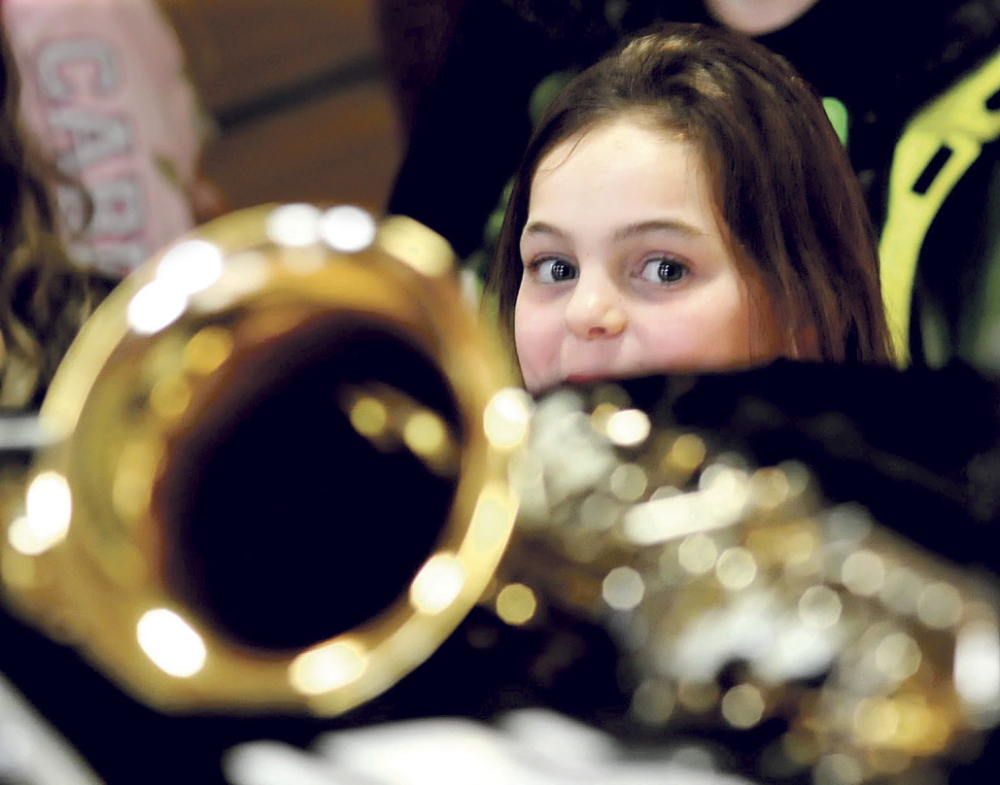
43	296
782	181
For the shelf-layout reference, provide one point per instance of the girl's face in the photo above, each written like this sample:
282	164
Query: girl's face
627	268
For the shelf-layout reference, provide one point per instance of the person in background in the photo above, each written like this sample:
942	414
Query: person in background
106	93
44	295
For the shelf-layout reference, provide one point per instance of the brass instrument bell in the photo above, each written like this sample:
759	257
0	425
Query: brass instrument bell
228	514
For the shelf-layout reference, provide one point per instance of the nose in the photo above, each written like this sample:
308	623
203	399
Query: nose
595	310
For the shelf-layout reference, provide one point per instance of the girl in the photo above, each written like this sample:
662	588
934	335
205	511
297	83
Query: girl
685	205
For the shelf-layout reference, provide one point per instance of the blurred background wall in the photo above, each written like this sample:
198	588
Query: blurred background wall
301	103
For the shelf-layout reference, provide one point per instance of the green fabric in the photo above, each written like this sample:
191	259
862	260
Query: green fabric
839	118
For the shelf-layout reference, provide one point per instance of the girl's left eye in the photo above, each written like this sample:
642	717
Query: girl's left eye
664	271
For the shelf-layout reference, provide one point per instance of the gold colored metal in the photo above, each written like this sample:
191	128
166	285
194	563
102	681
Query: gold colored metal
126	399
862	644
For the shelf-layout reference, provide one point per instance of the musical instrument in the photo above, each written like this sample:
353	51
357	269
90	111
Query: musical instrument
284	460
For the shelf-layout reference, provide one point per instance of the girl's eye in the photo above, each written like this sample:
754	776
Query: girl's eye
554	271
664	271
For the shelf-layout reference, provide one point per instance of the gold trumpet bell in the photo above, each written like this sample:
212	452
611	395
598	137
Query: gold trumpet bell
226	516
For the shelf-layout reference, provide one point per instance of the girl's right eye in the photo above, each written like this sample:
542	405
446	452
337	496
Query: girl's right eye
554	270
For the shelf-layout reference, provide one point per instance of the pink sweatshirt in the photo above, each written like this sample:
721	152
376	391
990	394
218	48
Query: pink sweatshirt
104	88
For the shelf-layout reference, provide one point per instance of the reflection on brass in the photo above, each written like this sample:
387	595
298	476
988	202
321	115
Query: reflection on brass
186	343
390	420
852	637
739	596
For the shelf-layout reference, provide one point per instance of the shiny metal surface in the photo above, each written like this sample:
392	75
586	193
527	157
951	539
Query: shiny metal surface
164	377
737	595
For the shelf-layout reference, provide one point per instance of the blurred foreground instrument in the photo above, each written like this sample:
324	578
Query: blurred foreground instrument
284	460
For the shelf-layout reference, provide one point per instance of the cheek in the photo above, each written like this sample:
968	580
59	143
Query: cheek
707	331
536	338
735	326
529	330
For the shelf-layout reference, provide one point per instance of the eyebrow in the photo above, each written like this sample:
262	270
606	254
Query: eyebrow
625	232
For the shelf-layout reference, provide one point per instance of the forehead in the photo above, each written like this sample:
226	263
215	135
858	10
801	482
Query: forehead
616	131
626	165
